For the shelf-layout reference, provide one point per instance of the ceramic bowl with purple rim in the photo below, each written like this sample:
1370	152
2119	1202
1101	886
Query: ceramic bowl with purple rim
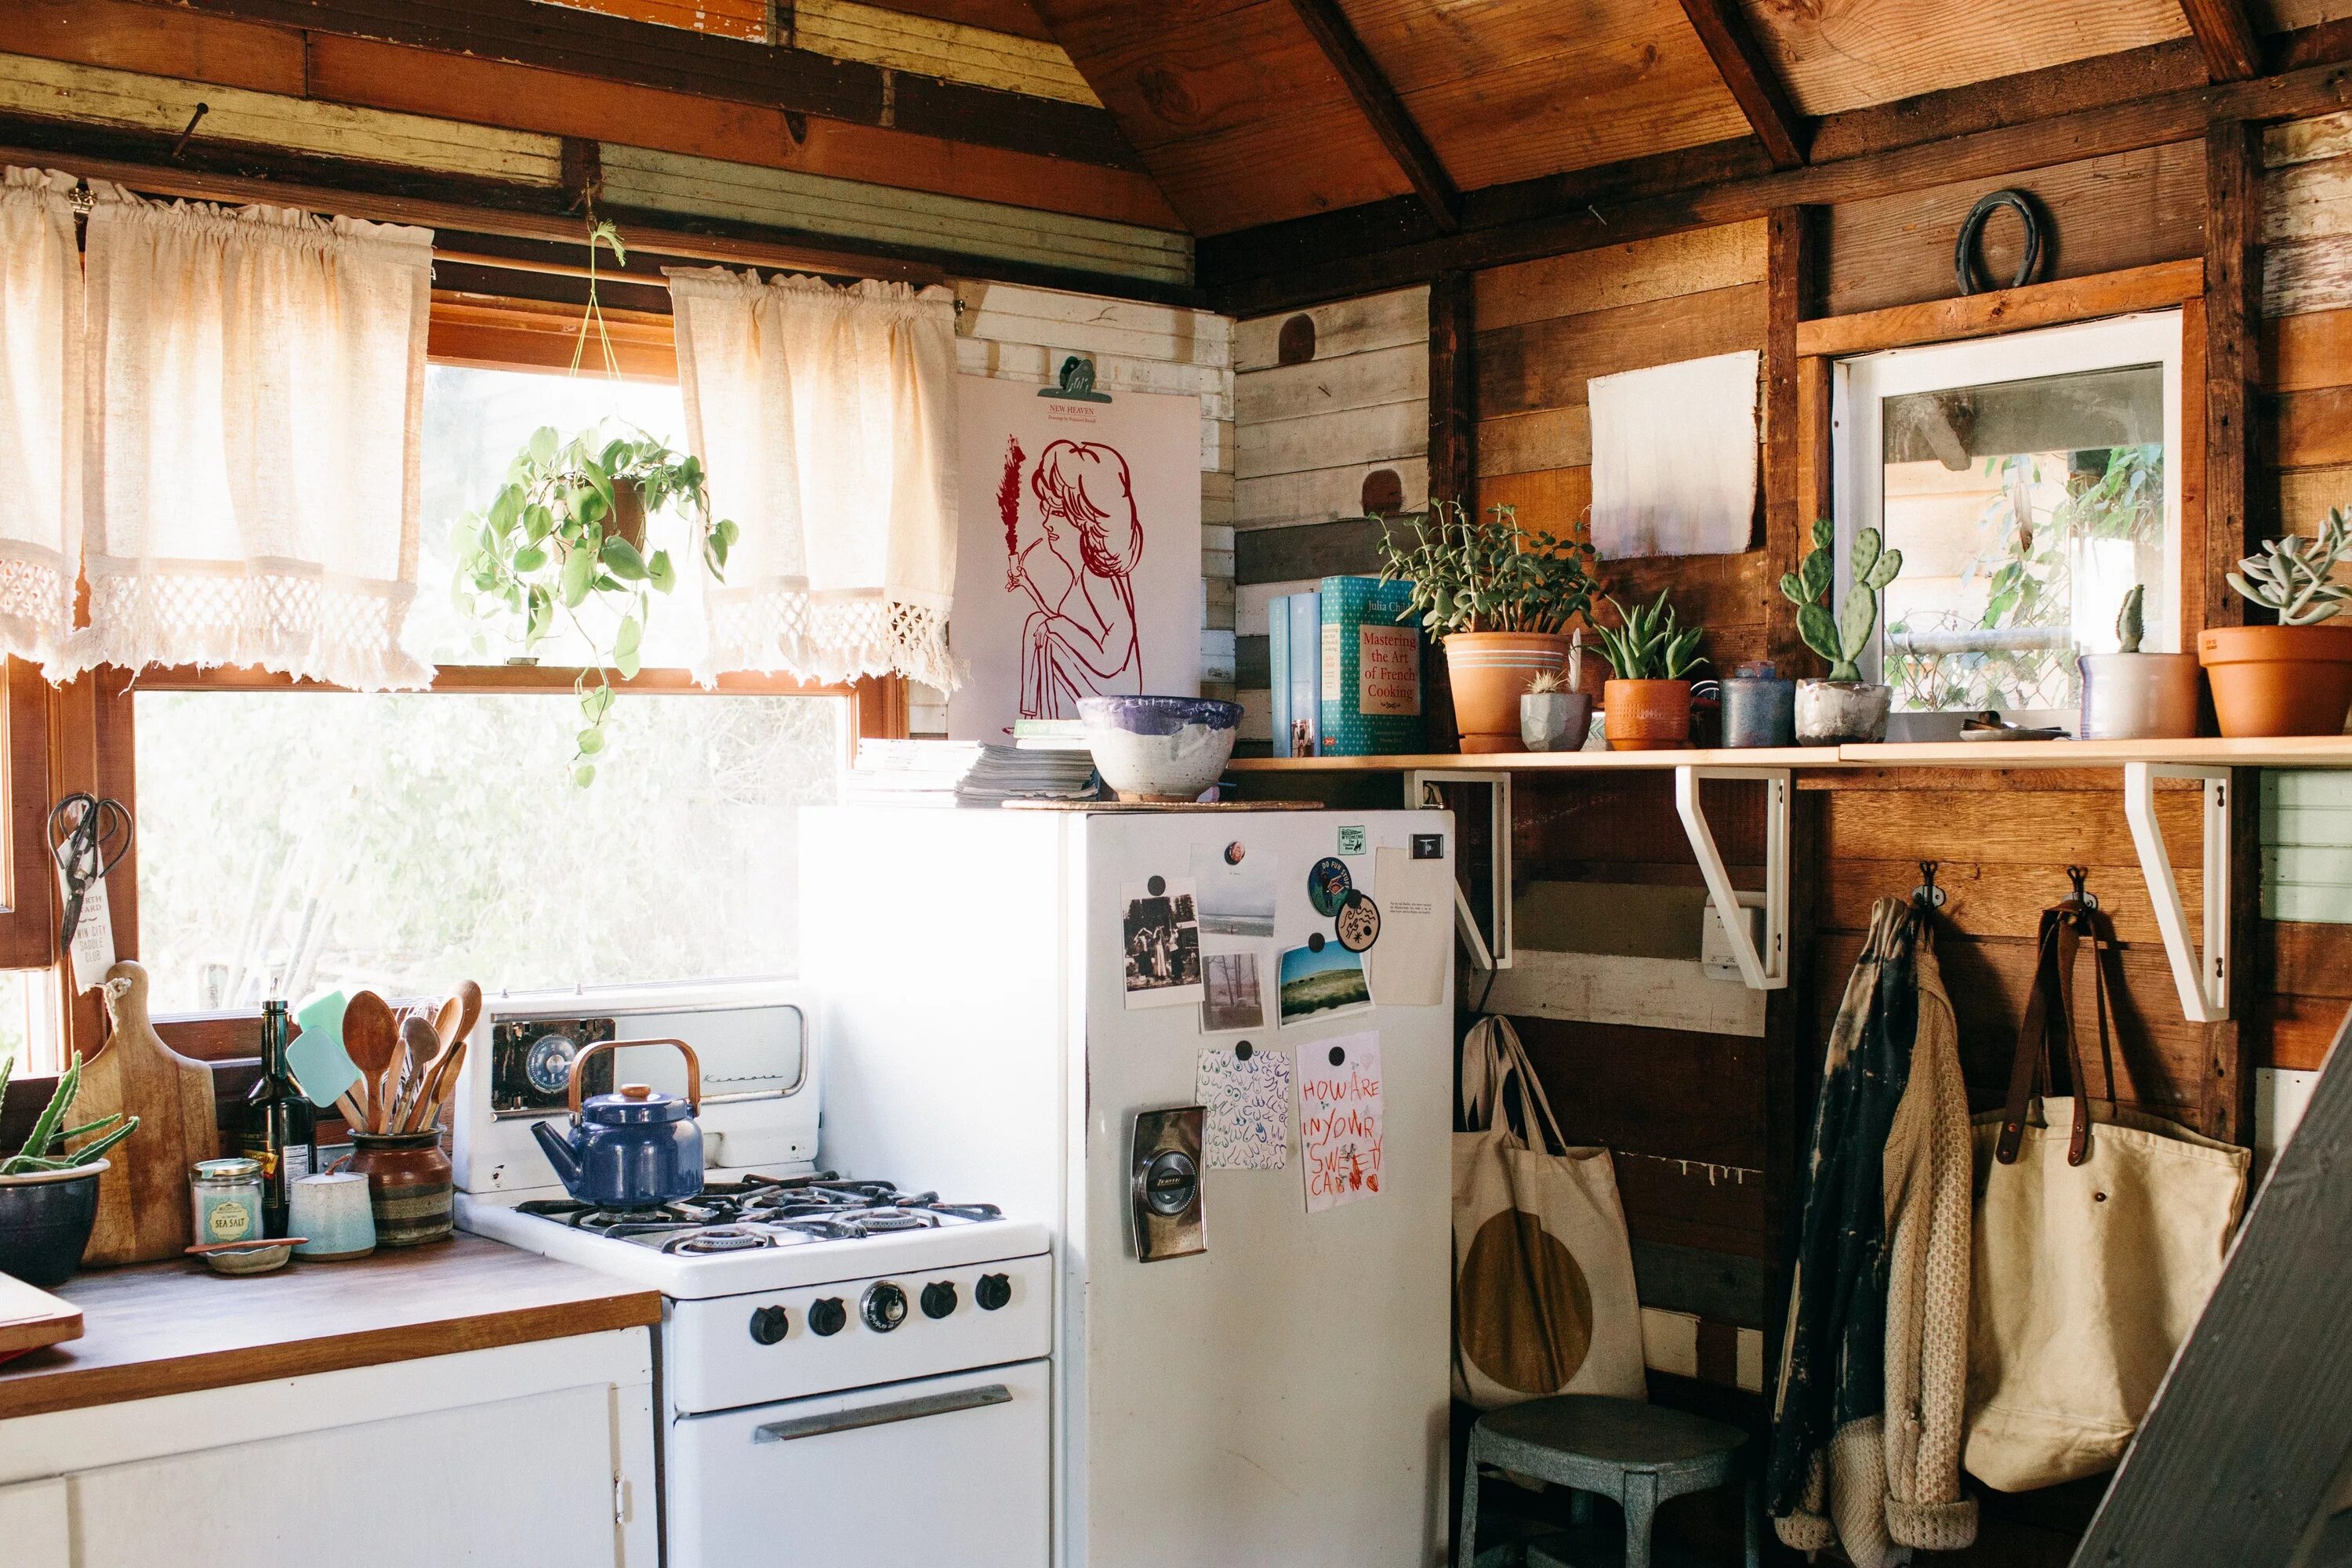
1160	748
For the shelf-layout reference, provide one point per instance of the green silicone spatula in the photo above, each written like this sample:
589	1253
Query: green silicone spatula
317	1056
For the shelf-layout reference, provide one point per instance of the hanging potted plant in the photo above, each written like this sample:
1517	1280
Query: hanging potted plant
1844	707
2295	678
565	537
2128	695
1647	708
49	1192
1500	600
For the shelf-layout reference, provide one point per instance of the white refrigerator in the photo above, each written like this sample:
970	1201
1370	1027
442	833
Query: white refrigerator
1006	1005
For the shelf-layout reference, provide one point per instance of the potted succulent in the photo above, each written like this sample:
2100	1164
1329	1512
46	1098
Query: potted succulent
1500	599
2128	695
1556	714
2295	678
1844	707
49	1192
1647	708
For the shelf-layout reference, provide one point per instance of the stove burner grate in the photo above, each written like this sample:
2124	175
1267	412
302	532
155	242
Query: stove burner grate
747	1213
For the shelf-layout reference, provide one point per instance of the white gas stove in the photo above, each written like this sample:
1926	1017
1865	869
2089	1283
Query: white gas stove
821	1337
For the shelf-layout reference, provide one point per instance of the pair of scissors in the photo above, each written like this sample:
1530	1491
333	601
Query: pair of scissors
88	836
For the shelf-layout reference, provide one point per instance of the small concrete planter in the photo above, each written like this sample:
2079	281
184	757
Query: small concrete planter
1555	721
1842	712
2139	696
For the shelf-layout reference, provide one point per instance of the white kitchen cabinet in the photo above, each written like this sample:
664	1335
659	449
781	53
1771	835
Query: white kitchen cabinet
531	1456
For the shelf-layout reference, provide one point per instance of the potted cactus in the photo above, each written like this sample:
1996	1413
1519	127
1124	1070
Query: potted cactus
1647	708
1556	714
2295	677
48	1193
1844	707
2128	695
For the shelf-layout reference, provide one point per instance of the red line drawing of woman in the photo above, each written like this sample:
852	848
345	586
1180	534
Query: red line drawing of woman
1081	639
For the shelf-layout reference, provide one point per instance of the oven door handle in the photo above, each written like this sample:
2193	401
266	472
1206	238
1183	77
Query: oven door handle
883	1415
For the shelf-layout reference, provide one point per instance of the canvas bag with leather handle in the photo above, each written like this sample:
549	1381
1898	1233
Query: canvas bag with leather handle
2100	1231
1543	1273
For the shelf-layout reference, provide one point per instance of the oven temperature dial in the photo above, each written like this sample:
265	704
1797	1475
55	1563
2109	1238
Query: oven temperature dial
770	1324
828	1317
939	1299
884	1307
993	1291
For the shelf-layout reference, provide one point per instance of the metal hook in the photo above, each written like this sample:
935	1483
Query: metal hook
182	145
2077	874
1926	892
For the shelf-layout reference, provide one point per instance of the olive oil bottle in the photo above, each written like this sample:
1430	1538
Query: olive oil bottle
277	1121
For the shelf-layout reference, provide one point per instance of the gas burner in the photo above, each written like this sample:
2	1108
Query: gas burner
751	1212
718	1239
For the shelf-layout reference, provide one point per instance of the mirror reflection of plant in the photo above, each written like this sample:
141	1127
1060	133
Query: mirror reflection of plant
1472	575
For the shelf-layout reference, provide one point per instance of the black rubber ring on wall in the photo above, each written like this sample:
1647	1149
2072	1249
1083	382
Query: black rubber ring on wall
1964	257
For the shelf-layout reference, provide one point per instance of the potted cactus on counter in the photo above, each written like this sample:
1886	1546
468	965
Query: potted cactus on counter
1844	707
2295	677
2128	695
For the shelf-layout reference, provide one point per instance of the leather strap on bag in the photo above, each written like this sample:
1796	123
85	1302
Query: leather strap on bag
2050	1006
1492	1058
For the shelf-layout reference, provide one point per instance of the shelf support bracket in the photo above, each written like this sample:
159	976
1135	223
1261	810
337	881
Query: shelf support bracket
1766	970
1422	793
2202	979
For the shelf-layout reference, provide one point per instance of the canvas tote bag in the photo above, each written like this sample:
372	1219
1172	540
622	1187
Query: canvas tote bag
1543	1274
2100	1231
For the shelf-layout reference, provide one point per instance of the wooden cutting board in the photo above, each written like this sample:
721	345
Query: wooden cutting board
142	1200
30	1319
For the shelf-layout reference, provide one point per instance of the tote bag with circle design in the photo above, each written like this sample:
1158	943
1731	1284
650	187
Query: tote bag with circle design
1543	1273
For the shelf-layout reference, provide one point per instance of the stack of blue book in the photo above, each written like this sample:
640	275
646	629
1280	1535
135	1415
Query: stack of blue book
1345	670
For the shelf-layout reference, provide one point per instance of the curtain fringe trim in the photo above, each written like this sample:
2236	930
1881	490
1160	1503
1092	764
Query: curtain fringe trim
829	640
294	626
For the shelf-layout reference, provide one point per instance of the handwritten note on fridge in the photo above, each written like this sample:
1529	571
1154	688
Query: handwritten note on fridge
1339	1119
1248	1102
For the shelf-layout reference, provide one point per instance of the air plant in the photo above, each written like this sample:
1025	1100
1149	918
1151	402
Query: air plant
2291	574
1471	575
49	1132
1650	642
1841	639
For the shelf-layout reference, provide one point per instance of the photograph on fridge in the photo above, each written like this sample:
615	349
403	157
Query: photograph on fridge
1321	980
1237	888
1160	931
1233	999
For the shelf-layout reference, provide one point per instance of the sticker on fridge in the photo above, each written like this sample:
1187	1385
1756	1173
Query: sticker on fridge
1237	886
1321	980
1160	931
1248	1093
1232	996
1339	1119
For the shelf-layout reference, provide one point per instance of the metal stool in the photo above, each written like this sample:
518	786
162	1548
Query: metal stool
1638	1454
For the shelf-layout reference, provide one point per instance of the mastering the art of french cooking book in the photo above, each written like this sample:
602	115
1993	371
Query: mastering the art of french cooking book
1371	668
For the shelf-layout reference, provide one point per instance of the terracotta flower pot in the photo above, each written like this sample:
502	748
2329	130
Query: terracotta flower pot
2279	680
1490	672
1647	715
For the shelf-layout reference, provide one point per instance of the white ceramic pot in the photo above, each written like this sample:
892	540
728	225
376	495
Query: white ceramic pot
1555	721
2139	696
1836	713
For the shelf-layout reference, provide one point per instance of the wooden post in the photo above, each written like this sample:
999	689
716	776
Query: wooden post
1787	265
1452	459
2233	275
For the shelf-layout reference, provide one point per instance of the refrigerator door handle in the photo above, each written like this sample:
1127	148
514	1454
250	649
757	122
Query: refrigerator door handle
883	1415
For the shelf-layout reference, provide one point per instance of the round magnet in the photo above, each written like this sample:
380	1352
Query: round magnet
1157	886
1337	1055
1358	922
1234	852
1242	1052
1327	885
1313	942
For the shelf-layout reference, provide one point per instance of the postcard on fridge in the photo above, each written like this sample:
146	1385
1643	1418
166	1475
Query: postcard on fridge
1339	1119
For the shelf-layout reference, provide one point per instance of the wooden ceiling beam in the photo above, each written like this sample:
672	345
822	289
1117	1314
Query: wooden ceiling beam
1755	85
2232	50
1391	121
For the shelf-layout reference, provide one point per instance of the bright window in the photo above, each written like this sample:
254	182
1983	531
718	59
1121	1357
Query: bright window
2031	481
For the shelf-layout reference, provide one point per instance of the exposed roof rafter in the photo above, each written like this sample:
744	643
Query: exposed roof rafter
1391	121
1754	84
2232	52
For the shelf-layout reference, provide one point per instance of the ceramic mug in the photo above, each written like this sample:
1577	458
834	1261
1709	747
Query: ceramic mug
330	1212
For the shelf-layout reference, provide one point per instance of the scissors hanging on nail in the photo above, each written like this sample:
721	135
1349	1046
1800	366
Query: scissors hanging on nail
88	836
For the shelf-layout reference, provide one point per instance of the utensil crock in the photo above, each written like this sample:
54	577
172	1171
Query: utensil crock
410	1191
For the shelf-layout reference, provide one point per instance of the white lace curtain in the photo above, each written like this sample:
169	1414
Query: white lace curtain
40	411
256	383
826	420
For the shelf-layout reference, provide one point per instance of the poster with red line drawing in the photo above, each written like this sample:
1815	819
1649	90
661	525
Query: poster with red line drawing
1079	565
1339	1119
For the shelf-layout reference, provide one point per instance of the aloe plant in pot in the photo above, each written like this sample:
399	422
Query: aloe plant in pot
49	1192
1500	599
2295	677
1844	707
1647	708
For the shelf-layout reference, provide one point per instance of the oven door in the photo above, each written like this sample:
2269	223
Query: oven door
952	1469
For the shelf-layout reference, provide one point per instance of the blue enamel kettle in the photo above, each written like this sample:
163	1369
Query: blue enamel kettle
630	1149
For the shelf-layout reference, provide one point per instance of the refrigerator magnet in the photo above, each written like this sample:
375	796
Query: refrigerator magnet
1328	883
1358	923
1159	930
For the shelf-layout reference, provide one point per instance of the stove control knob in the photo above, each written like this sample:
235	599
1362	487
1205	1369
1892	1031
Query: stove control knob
939	1299
993	1291
770	1324
884	1307
828	1316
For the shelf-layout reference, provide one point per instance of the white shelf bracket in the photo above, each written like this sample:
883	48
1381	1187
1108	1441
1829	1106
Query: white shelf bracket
2203	979
1421	793
1768	970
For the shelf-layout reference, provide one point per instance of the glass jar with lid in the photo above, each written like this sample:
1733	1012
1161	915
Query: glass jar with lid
226	1199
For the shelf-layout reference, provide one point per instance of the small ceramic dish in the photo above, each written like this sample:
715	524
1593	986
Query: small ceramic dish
260	1255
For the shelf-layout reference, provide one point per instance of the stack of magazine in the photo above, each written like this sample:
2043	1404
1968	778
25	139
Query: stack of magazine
965	773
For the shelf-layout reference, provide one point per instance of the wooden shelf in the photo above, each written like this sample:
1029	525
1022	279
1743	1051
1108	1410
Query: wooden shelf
1546	761
2284	752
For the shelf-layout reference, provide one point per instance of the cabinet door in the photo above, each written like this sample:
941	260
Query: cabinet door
522	1483
33	1522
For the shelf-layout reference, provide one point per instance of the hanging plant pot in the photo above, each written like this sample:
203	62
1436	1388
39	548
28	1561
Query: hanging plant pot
1490	671
2278	680
628	521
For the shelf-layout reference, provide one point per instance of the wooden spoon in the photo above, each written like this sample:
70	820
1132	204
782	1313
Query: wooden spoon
445	1085
424	1051
469	1011
372	1039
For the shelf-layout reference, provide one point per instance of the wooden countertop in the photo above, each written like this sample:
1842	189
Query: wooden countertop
167	1327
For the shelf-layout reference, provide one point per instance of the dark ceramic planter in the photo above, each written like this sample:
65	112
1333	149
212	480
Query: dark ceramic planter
45	1223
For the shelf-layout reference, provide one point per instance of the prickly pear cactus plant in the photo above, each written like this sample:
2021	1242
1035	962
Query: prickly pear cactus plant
2131	621
1840	638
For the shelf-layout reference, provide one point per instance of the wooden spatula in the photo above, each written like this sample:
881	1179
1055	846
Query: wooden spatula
372	1039
424	1049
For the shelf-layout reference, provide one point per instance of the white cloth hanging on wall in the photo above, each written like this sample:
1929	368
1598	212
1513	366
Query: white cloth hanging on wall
825	419
256	387
40	410
1674	457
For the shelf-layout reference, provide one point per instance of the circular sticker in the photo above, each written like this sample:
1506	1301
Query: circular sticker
1327	885
1358	923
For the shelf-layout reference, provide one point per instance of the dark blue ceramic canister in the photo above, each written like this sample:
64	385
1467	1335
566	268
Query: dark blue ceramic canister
1759	708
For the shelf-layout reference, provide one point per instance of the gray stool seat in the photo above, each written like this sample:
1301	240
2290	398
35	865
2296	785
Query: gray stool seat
1639	1455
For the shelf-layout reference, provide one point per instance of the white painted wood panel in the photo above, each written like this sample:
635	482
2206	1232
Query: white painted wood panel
1324	495
1358	436
2307	140
947	50
1607	988
1346	327
2305	275
1320	387
35	1520
1007	313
